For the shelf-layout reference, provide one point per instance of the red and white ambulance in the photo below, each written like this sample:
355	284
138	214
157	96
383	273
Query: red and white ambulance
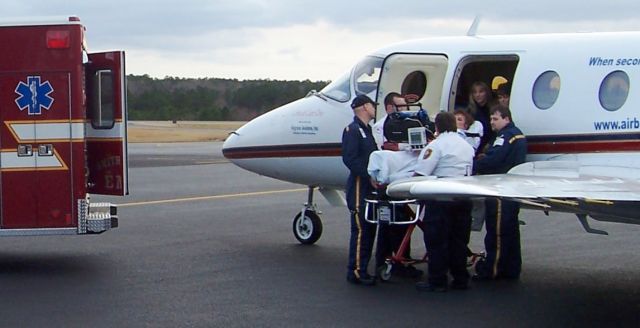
63	120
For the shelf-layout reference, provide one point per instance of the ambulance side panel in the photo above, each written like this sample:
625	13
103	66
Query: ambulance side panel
42	115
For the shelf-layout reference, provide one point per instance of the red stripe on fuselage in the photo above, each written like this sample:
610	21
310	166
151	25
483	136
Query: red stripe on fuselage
554	147
275	153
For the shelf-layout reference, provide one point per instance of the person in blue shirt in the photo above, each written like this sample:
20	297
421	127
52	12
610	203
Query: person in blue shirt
502	241
357	144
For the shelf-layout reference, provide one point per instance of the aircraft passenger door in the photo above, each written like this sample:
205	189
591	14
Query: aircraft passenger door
106	128
420	75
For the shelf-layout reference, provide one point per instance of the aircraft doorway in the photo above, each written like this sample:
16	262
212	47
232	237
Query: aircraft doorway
493	70
475	85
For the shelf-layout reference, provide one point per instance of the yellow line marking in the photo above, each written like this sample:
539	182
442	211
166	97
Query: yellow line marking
191	199
212	162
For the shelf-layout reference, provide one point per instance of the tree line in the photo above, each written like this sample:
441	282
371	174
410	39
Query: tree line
209	99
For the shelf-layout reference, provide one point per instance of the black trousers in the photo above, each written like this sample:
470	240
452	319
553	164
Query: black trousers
502	241
447	225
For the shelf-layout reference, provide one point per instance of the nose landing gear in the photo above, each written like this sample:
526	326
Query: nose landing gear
307	226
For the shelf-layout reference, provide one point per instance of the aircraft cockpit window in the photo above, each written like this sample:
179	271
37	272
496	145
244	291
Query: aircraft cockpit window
339	89
367	74
614	90
546	89
414	84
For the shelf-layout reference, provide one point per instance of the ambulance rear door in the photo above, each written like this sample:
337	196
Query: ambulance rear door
106	127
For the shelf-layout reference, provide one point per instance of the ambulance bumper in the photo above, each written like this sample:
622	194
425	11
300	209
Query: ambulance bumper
99	218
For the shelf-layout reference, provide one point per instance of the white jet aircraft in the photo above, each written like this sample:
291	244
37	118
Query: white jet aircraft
571	96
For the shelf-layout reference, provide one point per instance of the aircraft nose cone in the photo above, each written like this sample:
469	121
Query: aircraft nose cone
229	144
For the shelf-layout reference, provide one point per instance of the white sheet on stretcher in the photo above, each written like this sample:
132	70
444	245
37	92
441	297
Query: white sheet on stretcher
386	166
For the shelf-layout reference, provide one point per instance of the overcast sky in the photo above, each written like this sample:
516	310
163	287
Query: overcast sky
297	40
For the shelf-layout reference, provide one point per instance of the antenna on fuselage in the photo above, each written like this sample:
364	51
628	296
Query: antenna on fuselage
473	29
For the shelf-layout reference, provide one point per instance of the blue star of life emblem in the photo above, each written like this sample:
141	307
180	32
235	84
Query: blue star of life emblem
34	95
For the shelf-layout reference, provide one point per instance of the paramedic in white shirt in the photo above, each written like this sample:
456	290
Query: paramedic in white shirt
393	102
446	224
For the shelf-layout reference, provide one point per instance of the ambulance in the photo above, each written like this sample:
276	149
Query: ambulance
63	118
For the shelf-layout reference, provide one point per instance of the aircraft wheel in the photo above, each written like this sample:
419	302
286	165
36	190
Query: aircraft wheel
307	229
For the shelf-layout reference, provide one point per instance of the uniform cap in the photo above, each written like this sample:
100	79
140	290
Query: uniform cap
360	100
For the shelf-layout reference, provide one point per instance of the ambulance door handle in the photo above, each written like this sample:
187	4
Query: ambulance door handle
45	150
25	150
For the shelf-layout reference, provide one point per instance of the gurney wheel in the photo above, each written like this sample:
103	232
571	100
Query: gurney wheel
308	229
384	271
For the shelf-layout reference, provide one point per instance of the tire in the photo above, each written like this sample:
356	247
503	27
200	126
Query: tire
307	230
384	271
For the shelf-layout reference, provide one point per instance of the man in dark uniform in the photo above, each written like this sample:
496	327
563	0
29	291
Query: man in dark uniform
502	242
357	145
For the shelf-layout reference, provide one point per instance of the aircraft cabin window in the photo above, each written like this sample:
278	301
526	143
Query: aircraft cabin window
367	74
415	83
546	89
614	90
339	89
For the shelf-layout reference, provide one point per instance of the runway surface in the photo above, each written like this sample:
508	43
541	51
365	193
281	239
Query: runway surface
202	243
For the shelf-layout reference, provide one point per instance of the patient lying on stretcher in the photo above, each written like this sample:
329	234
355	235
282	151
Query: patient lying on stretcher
386	166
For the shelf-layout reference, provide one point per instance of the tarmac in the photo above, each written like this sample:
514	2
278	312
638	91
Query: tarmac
203	243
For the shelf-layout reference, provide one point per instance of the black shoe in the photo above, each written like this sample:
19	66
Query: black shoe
365	281
424	286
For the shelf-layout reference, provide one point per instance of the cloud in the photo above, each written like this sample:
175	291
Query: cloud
302	39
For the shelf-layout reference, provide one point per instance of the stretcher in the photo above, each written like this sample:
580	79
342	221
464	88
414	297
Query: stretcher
379	209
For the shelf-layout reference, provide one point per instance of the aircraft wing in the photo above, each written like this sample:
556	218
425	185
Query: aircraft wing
543	185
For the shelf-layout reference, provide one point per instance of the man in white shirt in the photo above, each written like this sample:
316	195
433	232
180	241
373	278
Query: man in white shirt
390	236
446	224
393	102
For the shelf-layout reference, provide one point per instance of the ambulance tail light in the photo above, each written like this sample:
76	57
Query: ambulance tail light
58	39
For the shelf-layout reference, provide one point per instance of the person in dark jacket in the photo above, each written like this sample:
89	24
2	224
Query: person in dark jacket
480	101
357	144
502	241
